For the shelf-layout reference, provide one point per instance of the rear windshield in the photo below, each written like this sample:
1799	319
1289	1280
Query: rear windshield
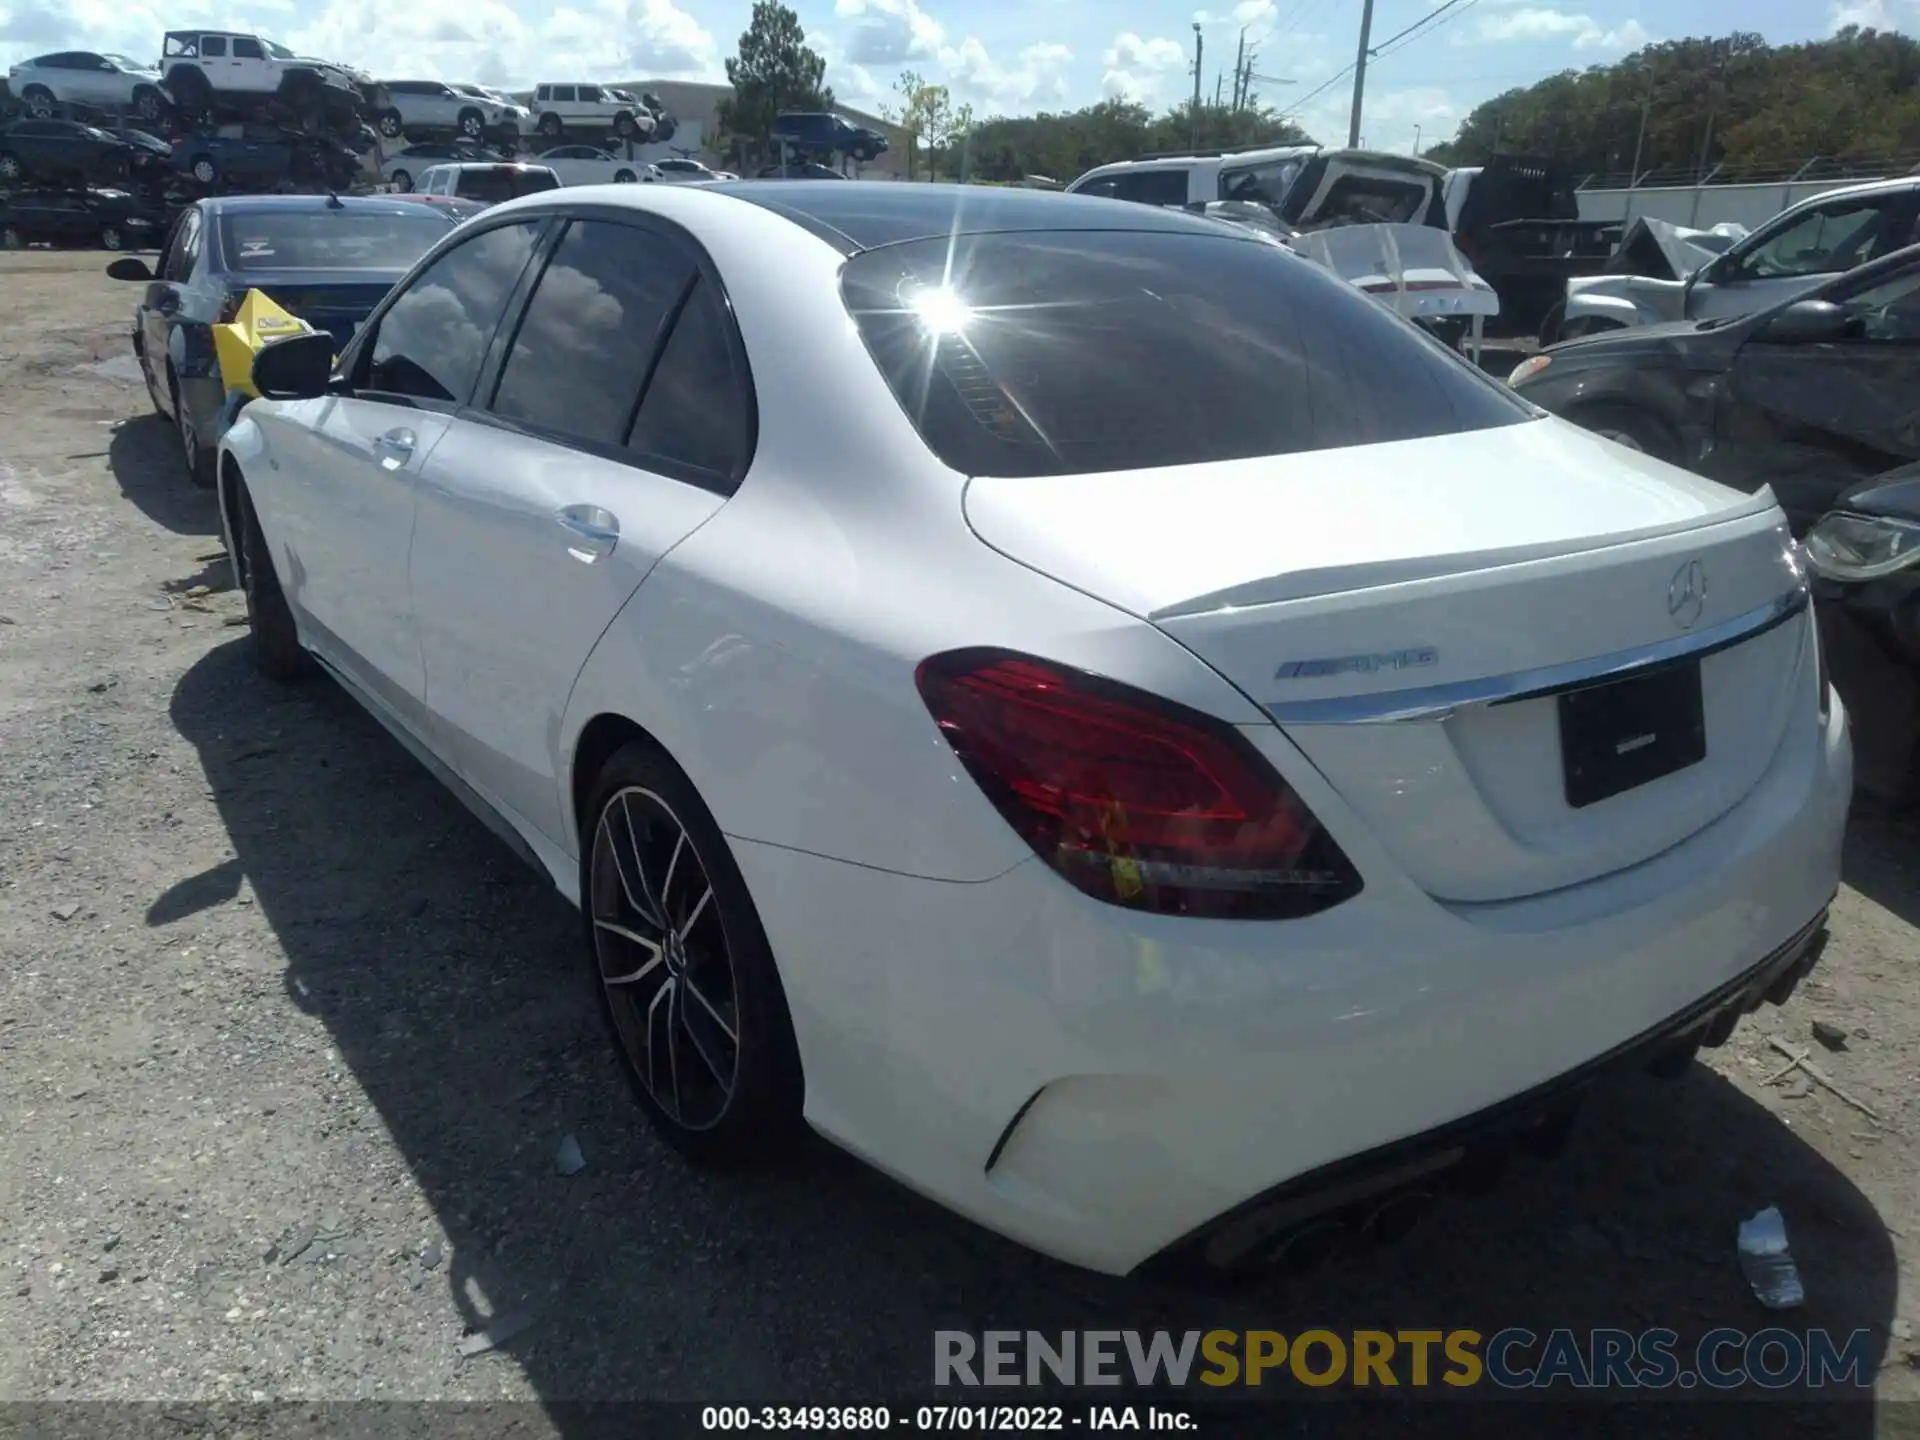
493	186
320	239
1069	352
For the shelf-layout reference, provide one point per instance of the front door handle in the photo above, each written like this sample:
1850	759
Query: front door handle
590	531
394	448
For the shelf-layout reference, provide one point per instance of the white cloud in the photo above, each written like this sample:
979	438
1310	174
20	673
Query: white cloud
889	32
1868	15
1136	69
1534	22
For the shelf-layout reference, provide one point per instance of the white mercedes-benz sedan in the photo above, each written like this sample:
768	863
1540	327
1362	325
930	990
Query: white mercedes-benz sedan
1070	700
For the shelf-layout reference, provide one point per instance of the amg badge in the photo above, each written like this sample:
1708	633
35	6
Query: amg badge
1358	664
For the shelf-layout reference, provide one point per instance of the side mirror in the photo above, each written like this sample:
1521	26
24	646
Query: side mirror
300	367
1807	322
129	267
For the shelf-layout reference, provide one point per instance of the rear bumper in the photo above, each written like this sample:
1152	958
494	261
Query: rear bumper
1374	1196
1106	1086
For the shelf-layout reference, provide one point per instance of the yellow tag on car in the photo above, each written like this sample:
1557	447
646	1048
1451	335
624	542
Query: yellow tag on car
257	322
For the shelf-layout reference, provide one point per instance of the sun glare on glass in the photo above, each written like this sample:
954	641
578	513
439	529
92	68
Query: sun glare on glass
941	311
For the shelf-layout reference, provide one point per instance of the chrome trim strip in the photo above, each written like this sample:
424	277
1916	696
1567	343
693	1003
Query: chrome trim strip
1438	702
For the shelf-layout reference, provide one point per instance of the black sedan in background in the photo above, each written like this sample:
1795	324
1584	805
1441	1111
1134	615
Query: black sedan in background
111	219
322	258
1810	396
62	150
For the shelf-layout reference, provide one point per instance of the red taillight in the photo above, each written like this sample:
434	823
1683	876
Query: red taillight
1136	800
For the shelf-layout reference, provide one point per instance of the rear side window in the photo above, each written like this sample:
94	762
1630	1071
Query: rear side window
1068	352
491	187
1151	187
433	337
696	412
590	331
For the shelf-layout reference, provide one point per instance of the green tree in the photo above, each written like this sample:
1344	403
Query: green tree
1733	101
1066	144
774	71
924	113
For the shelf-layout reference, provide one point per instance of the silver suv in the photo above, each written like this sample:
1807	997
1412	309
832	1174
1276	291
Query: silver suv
434	105
558	108
82	77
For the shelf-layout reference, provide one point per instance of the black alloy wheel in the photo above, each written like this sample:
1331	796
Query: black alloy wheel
685	972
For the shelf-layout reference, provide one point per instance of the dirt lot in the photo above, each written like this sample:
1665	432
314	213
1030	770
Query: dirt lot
288	1042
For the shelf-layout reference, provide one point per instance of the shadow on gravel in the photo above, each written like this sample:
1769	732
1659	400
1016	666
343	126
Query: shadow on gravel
144	457
454	986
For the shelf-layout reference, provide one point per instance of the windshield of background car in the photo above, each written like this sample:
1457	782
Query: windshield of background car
493	186
278	52
321	239
1070	352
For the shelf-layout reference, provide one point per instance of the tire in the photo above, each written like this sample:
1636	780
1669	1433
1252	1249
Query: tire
191	91
402	181
726	1084
624	127
1631	427
10	167
111	238
472	124
391	124
277	653
146	374
198	459
550	126
38	102
149	104
204	170
624	177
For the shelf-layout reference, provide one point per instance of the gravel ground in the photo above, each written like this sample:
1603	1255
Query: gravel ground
288	1043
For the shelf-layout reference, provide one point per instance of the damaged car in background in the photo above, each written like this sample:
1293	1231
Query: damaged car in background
1806	398
1664	272
1377	220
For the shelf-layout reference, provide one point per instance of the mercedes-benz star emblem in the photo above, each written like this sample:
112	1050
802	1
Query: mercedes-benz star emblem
1687	594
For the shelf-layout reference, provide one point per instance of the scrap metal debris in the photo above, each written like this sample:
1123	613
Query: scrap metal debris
1767	1262
497	1332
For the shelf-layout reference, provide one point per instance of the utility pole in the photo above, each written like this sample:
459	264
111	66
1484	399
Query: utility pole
1239	65
1416	138
1359	73
1219	84
1193	132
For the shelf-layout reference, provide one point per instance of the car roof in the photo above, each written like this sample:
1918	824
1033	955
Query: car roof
299	204
1849	192
866	214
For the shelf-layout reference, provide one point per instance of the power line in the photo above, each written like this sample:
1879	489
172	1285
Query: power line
1425	25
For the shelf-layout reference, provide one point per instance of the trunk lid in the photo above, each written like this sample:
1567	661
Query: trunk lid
1334	587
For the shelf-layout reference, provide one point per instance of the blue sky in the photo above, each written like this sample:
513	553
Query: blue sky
1001	56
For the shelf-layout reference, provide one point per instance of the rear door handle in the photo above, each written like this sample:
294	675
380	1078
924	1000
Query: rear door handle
394	448
590	531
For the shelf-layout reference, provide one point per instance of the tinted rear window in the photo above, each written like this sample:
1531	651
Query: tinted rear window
1067	352
494	186
320	239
